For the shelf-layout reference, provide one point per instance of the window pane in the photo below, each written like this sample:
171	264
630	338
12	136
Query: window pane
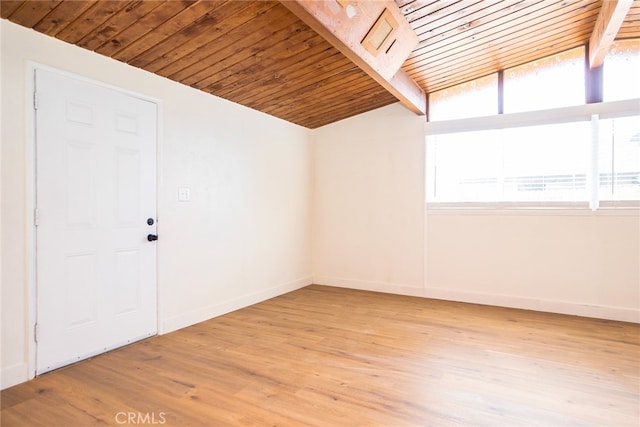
546	163
529	164
472	99
619	159
621	71
465	167
551	82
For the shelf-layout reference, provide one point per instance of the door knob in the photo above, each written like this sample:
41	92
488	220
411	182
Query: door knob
152	237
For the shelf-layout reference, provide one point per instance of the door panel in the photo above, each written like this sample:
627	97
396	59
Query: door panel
96	187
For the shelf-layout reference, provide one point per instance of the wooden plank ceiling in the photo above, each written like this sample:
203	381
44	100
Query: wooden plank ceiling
464	40
258	54
255	53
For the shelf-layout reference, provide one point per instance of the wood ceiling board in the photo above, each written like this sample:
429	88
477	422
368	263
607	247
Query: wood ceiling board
495	59
501	28
247	41
533	38
262	64
369	102
7	7
143	25
176	50
314	118
631	26
443	79
268	89
90	29
29	13
503	48
471	16
187	57
281	83
446	12
62	16
409	6
173	25
320	91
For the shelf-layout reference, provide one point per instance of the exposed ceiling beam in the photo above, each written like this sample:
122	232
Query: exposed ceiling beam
610	18
374	35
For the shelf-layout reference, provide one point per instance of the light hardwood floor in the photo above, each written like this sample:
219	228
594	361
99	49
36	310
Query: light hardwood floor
323	356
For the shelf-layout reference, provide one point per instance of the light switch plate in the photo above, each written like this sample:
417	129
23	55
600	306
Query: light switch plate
184	194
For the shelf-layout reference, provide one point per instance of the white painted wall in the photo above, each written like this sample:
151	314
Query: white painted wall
370	229
369	201
245	235
584	263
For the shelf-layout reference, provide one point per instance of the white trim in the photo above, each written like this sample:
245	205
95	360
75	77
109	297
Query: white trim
192	317
509	301
606	110
499	206
498	211
159	185
13	375
31	191
33	65
368	285
30	179
538	304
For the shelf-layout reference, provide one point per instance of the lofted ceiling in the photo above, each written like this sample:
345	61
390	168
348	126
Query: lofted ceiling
464	40
259	54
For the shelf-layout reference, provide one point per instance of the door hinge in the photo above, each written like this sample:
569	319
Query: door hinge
35	100
36	332
36	217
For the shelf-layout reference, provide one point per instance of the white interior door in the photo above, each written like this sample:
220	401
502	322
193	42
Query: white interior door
95	198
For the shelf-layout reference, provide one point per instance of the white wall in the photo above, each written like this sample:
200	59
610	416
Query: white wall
244	237
369	201
370	229
581	263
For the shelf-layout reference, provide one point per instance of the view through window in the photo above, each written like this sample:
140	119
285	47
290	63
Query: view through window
551	164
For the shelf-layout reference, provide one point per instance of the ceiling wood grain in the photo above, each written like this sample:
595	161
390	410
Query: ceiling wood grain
259	54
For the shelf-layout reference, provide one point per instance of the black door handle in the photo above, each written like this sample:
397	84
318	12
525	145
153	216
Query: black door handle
152	237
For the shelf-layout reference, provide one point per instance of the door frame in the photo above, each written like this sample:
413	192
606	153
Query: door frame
31	189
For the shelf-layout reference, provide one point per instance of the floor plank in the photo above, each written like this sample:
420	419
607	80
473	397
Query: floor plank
323	356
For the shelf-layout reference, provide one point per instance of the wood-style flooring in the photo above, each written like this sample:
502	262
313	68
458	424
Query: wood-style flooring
323	356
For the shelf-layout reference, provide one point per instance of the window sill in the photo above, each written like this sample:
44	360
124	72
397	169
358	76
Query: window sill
580	209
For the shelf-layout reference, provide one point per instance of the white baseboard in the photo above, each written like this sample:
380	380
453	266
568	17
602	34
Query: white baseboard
14	375
537	304
205	313
364	285
527	303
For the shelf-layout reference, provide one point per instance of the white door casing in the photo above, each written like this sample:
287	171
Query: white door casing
95	190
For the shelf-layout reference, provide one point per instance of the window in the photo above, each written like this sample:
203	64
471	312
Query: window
526	164
472	99
546	163
621	70
550	149
583	162
619	159
463	167
551	82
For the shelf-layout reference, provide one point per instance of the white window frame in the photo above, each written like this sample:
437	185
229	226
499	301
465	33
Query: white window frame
601	110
